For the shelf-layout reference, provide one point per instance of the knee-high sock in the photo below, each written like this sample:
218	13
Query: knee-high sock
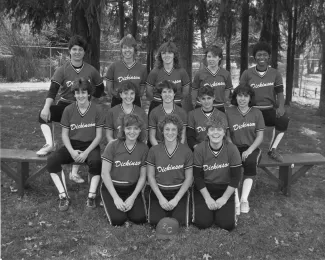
272	139
236	197
277	139
59	184
247	186
93	185
46	130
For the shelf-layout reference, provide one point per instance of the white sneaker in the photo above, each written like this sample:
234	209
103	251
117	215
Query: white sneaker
45	150
76	178
244	207
237	209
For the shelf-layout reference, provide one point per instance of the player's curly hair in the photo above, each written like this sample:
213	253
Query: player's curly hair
261	46
166	84
79	41
83	84
205	89
243	89
129	41
216	122
170	47
215	50
132	120
171	119
127	85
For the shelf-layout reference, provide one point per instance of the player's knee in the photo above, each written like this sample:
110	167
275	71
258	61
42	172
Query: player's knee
139	218
53	163
95	166
202	222
118	221
227	225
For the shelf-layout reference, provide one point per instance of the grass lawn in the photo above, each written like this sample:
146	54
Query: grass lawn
277	227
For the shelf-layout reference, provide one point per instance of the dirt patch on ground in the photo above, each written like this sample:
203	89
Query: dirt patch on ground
24	86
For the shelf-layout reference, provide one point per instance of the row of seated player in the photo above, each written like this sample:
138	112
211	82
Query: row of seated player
169	165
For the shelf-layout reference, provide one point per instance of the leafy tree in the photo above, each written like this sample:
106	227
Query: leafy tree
244	36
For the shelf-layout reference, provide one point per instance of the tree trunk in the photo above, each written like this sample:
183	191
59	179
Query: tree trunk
289	65
275	35
321	108
266	32
184	39
203	42
228	61
121	17
150	36
244	36
135	18
84	22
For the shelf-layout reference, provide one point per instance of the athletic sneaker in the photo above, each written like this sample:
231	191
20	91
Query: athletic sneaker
237	209
244	207
64	204
274	154
76	178
45	150
91	203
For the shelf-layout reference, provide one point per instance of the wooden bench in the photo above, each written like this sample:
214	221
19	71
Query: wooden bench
21	175
286	174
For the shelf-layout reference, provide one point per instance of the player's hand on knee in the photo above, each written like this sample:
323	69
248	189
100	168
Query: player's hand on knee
173	203
83	156
245	154
280	111
211	204
129	203
75	155
46	114
220	202
164	204
119	204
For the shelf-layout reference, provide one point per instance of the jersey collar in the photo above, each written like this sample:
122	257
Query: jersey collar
163	109
244	114
125	111
211	113
213	74
168	73
261	74
77	70
130	150
132	65
83	114
215	153
170	155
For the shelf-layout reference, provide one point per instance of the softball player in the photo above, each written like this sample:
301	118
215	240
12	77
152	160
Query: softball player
167	67
166	90
82	124
169	170
217	173
124	173
127	92
246	126
61	83
267	83
196	131
127	69
218	78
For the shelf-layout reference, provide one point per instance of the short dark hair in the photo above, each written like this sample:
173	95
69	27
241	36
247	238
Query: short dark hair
129	41
205	89
243	89
216	51
261	46
217	122
170	47
166	84
79	41
127	85
173	119
83	84
129	120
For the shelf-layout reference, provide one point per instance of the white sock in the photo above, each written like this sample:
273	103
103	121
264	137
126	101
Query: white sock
277	140
272	139
93	185
237	202
247	186
58	184
64	183
46	130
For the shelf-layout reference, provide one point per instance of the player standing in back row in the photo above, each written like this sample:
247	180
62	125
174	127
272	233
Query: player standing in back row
268	87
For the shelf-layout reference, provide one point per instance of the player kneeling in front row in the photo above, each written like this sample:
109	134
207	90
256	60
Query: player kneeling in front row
246	126
124	173
217	173
82	125
170	174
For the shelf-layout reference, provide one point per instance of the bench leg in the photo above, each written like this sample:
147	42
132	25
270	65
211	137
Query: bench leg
23	170
285	174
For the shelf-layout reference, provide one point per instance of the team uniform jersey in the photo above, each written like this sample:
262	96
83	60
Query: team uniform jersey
126	164
119	72
219	81
158	113
114	115
197	119
243	127
178	76
66	74
216	165
82	126
265	85
170	168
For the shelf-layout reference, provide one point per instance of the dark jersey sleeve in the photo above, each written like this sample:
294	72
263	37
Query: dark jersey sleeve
54	89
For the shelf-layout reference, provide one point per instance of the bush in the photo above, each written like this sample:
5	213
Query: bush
20	68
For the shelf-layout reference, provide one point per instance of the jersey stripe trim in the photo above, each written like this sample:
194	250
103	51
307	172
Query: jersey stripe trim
234	166
107	160
264	107
120	182
169	186
149	163
64	126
